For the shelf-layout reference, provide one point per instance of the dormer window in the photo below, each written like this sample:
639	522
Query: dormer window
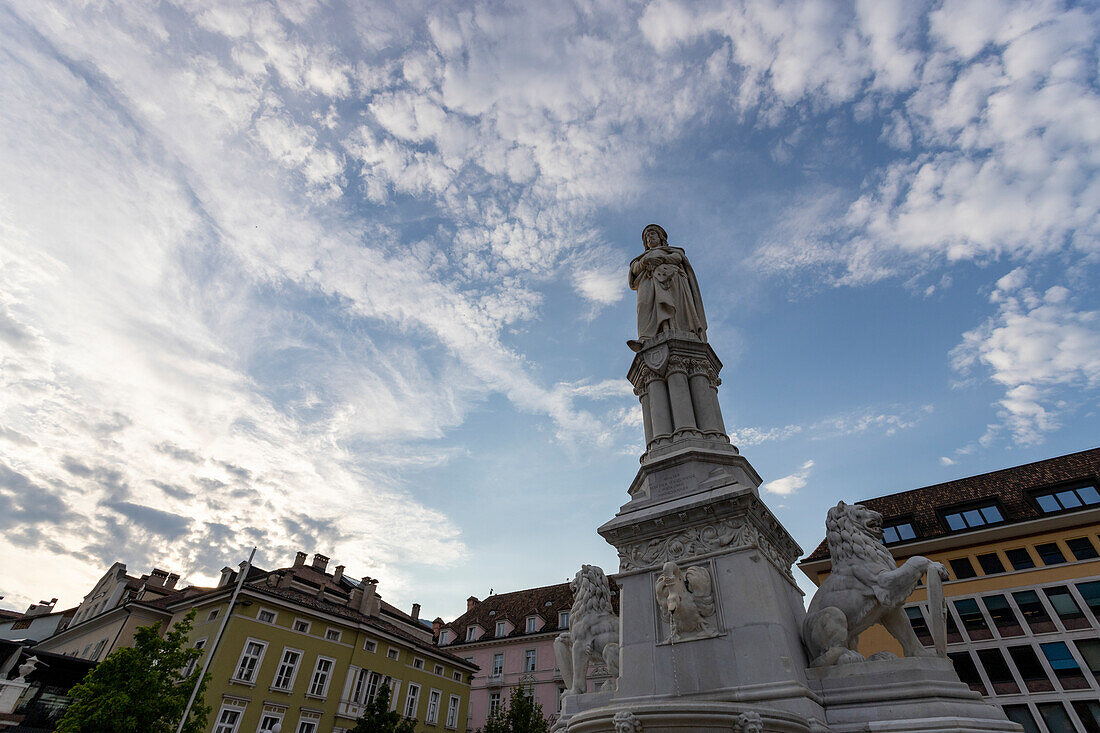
532	624
898	532
563	619
978	516
502	629
1053	501
471	633
444	636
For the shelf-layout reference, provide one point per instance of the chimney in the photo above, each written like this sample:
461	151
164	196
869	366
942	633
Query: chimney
437	624
415	612
41	608
299	559
320	562
471	603
172	580
370	604
338	575
156	578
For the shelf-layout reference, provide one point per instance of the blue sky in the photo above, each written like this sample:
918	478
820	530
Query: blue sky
351	278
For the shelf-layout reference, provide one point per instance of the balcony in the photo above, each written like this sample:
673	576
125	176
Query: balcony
495	679
350	709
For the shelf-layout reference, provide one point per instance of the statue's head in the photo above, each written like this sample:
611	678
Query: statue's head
654	236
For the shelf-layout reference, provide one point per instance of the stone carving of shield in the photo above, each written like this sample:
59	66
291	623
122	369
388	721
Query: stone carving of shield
657	358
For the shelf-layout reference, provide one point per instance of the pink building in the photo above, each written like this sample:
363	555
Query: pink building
511	637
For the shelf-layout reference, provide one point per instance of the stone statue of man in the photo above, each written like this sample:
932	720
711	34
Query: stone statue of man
668	293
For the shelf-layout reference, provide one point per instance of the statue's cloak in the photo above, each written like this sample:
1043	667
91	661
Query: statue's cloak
680	304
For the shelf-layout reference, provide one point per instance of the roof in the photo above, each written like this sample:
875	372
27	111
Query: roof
546	601
6	615
1010	486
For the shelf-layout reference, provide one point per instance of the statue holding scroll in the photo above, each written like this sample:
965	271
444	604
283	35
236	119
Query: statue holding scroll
668	293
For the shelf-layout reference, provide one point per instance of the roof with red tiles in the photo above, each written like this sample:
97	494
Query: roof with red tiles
1011	488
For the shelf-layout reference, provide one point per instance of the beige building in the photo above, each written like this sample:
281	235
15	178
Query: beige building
1023	601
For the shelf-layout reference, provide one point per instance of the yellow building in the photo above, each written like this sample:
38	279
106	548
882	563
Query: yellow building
306	649
1024	594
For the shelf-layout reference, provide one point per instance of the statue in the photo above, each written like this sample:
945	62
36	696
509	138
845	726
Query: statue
866	587
26	668
668	293
687	601
593	632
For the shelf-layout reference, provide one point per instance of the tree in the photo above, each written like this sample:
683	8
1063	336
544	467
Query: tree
378	718
141	689
520	715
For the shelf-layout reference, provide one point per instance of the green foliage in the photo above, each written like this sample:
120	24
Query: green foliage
521	714
378	718
139	689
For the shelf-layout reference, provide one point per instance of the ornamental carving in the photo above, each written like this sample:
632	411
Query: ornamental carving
627	723
680	364
704	539
748	723
656	358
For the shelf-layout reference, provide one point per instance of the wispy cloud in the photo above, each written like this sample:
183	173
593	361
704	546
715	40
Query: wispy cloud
791	483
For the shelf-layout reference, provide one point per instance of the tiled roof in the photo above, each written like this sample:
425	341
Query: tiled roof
515	607
1010	486
6	615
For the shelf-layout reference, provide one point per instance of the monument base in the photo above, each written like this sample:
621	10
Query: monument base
910	695
10	693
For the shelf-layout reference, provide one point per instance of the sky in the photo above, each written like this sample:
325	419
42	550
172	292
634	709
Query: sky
350	278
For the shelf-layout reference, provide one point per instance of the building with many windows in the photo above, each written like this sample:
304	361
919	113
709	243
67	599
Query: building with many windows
1023	621
510	636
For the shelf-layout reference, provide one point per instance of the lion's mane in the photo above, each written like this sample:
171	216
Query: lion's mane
851	538
591	602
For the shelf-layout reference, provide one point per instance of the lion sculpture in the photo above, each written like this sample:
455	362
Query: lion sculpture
686	601
865	587
593	632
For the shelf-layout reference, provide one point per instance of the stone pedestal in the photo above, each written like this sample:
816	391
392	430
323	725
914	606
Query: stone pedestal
10	692
910	695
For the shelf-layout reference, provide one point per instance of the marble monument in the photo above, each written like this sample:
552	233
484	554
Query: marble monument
712	631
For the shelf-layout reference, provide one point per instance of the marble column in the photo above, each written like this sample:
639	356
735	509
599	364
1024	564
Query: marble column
705	399
679	394
647	417
659	408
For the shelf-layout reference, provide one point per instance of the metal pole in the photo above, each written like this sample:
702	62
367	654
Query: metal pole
245	567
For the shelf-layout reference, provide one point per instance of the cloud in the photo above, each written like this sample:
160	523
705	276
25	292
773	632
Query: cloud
1039	348
789	484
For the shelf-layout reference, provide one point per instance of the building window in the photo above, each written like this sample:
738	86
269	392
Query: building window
1089	649
1004	618
963	568
1089	713
199	644
228	720
920	626
900	532
318	686
1054	715
370	646
1050	553
439	669
212	615
332	634
1091	593
444	637
502	628
288	669
456	676
251	655
1034	613
302	627
971	518
418	663
991	564
1066	608
494	702
563	619
266	617
1020	558
452	711
412	699
1082	548
998	672
1059	501
268	722
1022	714
1064	665
307	726
1030	668
431	716
532	624
471	633
972	619
498	664
967	671
393	653
529	660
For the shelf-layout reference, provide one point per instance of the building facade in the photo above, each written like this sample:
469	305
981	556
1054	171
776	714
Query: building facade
510	636
40	621
307	649
1023	600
